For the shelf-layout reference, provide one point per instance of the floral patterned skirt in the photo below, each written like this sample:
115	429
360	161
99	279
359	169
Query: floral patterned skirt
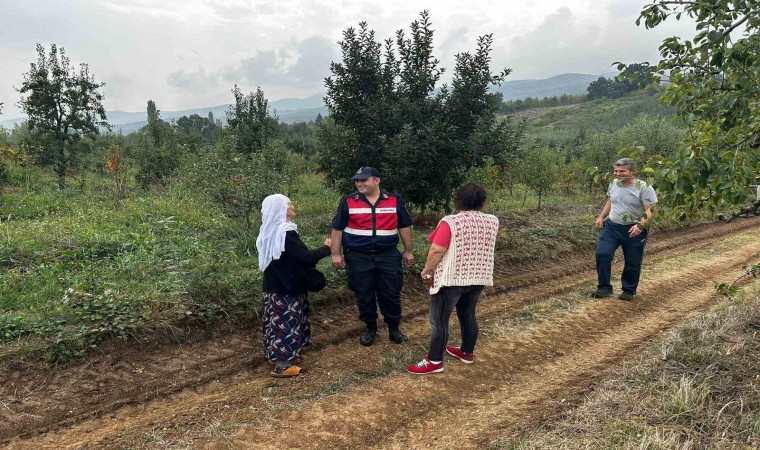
286	325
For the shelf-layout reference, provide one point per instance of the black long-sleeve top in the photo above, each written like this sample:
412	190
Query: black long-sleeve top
285	275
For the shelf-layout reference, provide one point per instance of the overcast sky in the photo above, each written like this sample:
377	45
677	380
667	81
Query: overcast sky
189	53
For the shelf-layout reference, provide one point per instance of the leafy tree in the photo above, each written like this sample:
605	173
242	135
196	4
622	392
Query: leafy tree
5	152
240	182
613	88
385	112
600	88
508	137
513	106
643	139
155	149
250	122
300	137
62	105
651	137
714	83
156	127
539	169
195	130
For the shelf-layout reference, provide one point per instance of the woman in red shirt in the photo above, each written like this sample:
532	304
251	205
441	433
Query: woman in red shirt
459	265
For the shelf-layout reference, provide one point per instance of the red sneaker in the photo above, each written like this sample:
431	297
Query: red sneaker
456	352
424	367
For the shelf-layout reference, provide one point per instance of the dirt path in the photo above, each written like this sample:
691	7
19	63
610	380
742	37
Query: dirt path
216	395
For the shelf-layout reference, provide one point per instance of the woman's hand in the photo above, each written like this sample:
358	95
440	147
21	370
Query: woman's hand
427	276
328	242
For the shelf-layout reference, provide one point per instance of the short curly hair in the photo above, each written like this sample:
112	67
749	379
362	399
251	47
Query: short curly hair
469	197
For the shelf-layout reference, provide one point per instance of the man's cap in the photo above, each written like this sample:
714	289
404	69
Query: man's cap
365	172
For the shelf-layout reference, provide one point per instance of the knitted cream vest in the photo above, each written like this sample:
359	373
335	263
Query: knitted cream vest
469	259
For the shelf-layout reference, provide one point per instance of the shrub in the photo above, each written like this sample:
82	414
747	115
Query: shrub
155	163
240	182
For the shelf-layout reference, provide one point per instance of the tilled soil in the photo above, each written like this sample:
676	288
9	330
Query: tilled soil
215	393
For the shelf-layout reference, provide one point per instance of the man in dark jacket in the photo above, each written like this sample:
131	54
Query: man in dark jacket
367	225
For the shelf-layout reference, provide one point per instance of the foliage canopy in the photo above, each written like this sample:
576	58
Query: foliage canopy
62	105
714	82
385	112
249	121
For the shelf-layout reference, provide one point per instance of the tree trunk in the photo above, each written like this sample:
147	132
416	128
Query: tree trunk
60	165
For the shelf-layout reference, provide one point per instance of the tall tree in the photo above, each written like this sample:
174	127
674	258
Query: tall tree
250	122
386	111
714	83
154	123
62	104
155	149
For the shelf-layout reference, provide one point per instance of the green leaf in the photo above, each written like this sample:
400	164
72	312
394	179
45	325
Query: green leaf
715	36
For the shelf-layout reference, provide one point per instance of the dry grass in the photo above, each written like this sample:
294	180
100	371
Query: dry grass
519	320
698	388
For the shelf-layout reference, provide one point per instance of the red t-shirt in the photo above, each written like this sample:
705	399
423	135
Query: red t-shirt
441	235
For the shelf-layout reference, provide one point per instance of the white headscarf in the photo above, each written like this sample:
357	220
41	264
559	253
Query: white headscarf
274	225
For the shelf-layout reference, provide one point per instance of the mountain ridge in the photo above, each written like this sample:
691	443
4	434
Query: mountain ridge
291	109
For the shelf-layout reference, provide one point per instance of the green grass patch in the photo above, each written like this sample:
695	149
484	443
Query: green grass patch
562	123
77	269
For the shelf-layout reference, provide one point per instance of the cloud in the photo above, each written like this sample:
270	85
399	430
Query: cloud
562	43
266	66
302	64
298	66
453	39
116	85
313	63
196	82
185	53
150	10
625	9
237	11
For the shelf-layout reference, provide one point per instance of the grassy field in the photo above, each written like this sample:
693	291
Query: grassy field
76	268
697	388
564	123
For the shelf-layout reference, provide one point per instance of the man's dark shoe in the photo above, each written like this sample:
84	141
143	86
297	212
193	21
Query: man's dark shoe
367	337
601	293
627	296
397	336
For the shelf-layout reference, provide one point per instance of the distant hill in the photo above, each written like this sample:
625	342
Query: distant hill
289	110
568	83
305	114
292	110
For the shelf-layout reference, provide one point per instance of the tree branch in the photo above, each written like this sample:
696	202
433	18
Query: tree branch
734	25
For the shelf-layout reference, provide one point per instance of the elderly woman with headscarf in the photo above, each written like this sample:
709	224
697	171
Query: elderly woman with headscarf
284	259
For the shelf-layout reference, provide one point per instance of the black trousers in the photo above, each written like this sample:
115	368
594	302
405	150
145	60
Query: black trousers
464	299
376	279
